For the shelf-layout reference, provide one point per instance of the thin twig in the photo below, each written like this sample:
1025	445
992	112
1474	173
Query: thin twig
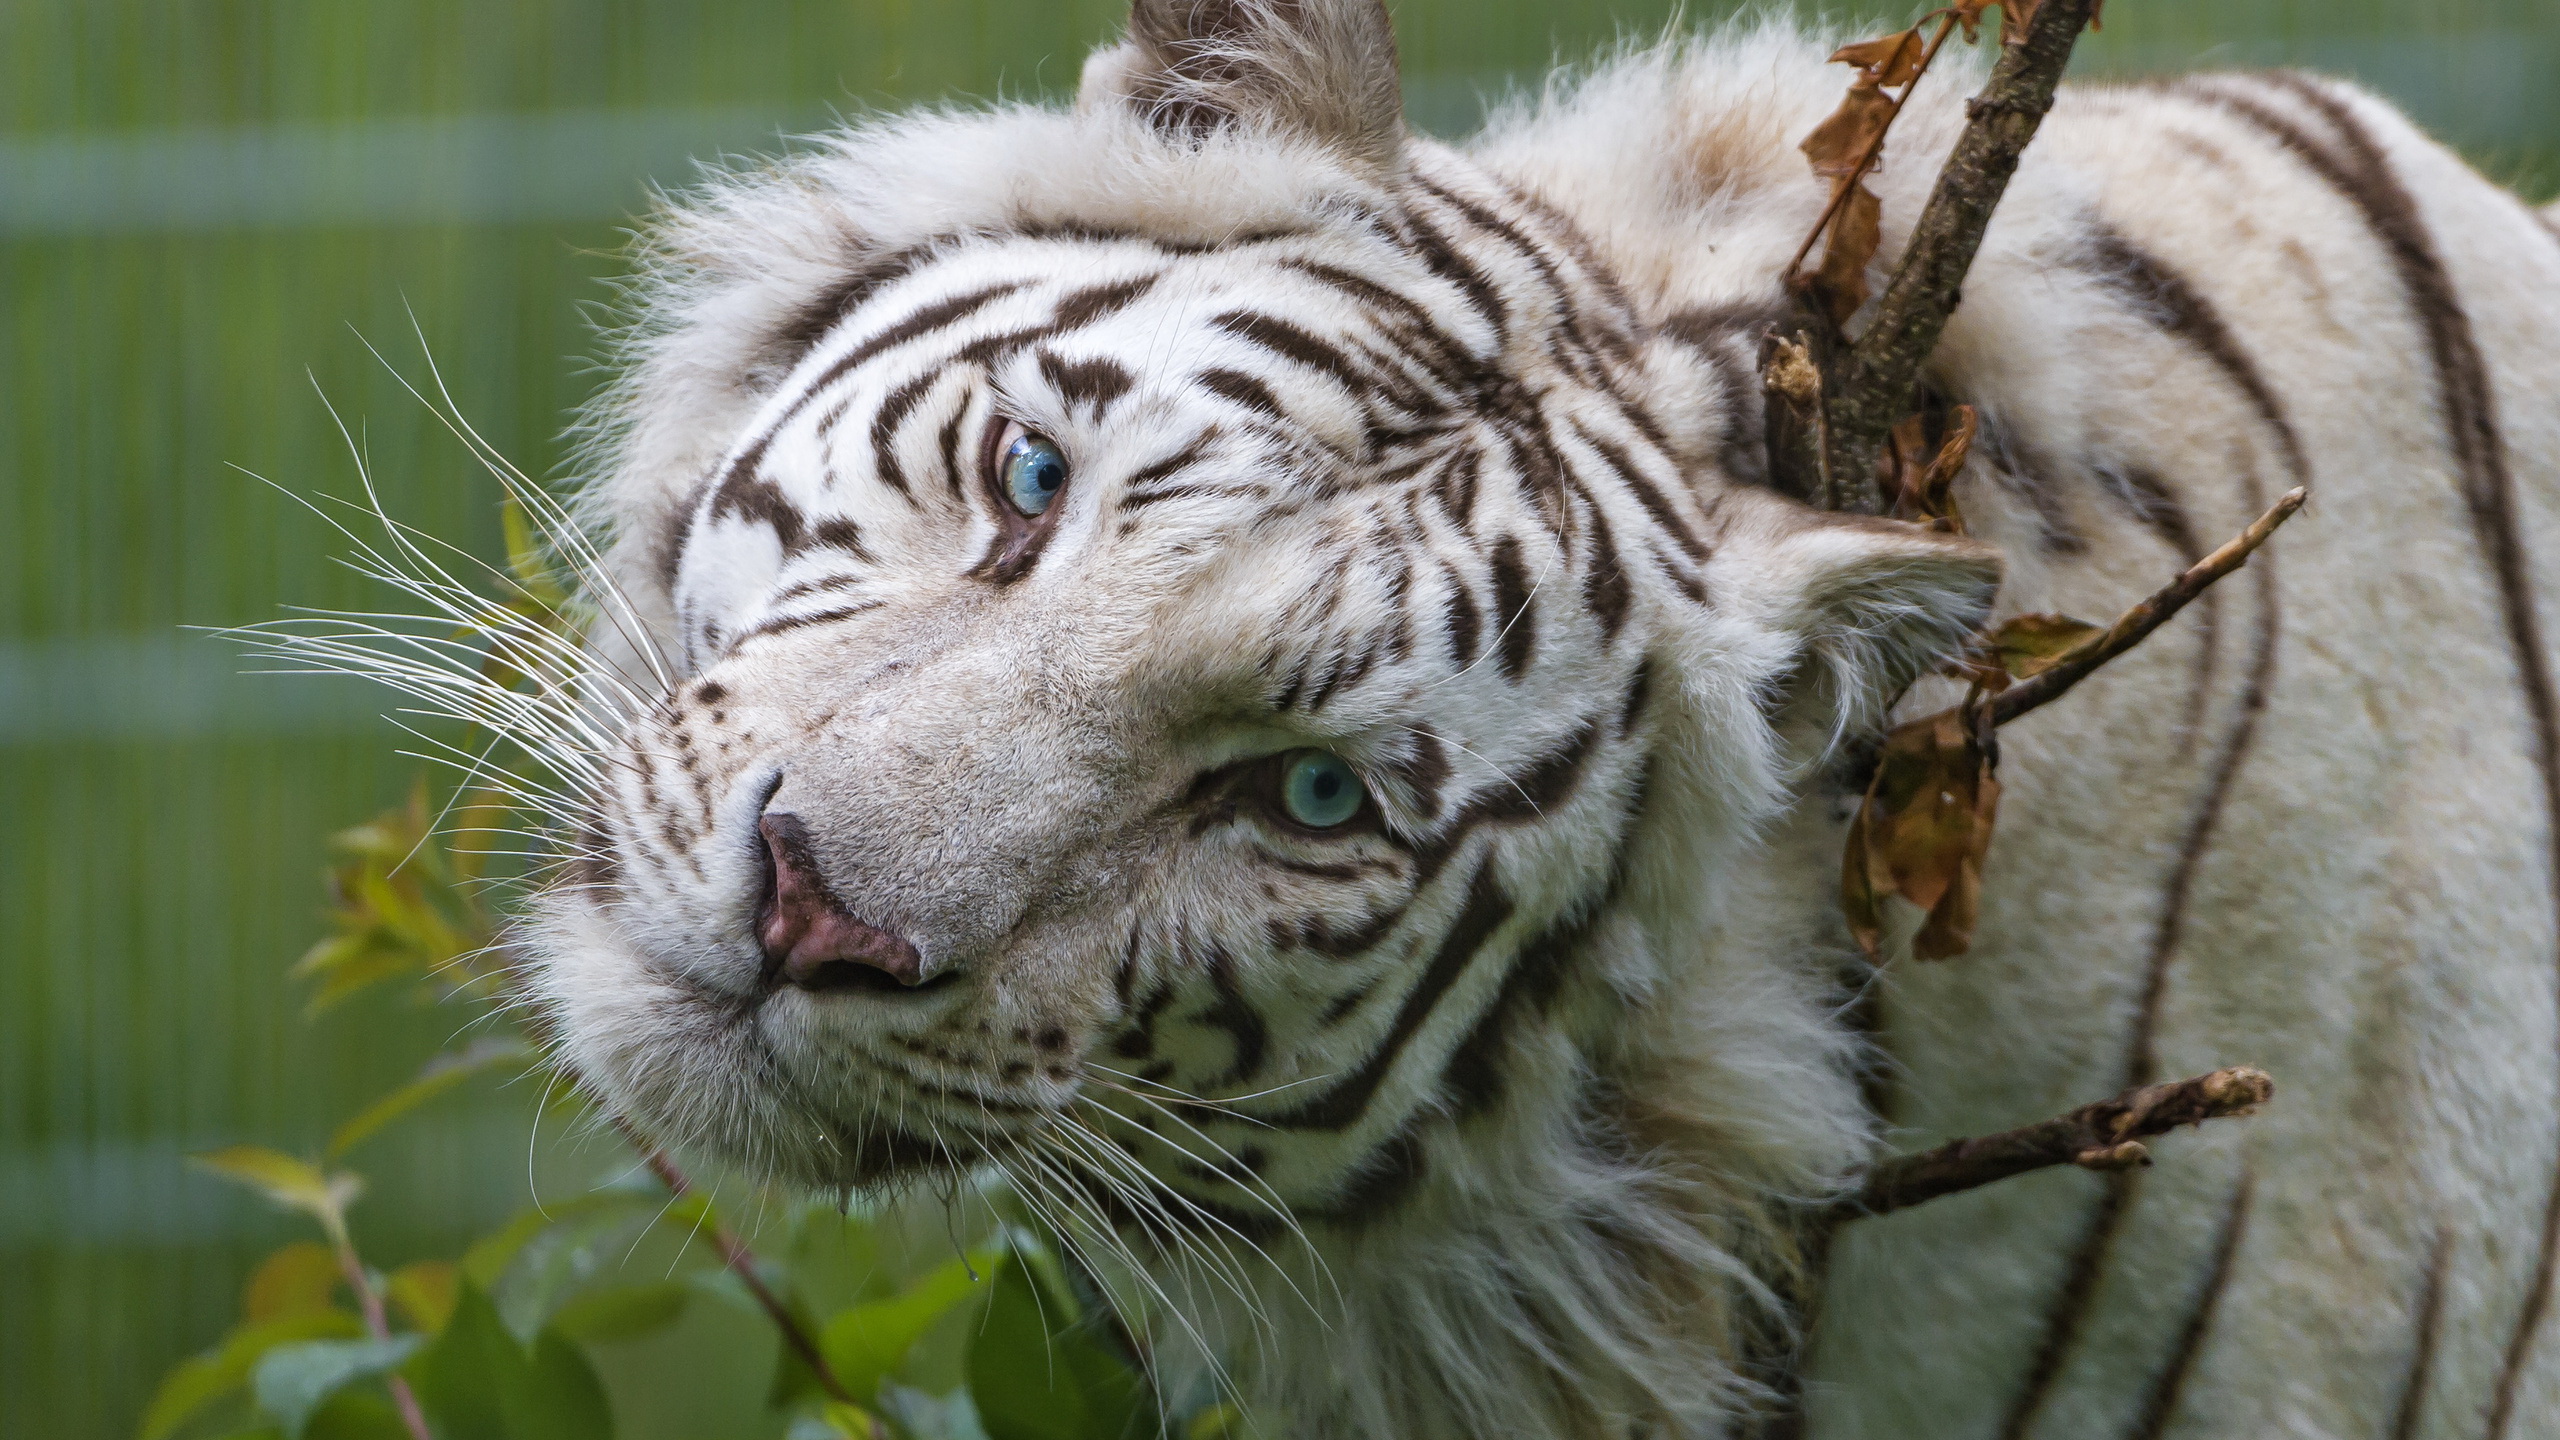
1875	147
378	1325
2105	1136
742	1263
2075	664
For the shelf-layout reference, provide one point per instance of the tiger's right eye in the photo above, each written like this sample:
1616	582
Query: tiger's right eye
1030	470
1320	790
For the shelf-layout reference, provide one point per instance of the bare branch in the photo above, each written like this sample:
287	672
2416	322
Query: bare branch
2105	1136
1826	453
2074	665
742	1263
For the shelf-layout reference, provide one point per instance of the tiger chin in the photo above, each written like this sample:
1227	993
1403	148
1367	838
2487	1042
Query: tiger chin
1236	664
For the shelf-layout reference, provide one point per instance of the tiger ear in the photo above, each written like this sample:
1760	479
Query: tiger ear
1862	606
1325	69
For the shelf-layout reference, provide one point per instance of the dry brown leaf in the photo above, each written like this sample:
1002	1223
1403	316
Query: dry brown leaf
2014	18
1841	280
1841	141
1922	457
1937	486
2030	644
1892	60
1922	833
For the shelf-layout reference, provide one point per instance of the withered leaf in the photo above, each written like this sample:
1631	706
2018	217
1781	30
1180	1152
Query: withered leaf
1892	60
1838	146
1919	468
2031	644
1937	486
1922	832
1856	231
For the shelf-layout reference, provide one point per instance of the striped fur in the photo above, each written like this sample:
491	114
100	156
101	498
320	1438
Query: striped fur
1484	1114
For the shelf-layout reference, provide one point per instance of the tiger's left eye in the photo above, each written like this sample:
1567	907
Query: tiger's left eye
1030	470
1320	790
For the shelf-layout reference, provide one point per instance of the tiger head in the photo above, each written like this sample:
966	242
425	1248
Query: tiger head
1196	647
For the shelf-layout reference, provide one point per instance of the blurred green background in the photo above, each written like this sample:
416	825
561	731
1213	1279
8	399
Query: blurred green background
203	205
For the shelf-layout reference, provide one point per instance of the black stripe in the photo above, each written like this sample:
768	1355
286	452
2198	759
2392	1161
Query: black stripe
2069	1315
2162	1403
1473	1080
884	429
2069	1312
1097	382
1623	465
1341	1106
1442	258
1093	302
1244	390
1294	344
1231	1012
2363	175
2430	1336
2178	309
749	495
1515	622
939	315
1605	591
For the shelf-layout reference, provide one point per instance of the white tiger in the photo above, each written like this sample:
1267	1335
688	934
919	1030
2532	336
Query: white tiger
1234	662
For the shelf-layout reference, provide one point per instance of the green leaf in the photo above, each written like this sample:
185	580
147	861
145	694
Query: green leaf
297	1279
477	1383
865	1344
1030	1384
358	1414
425	1290
290	1381
920	1416
199	1382
293	1183
489	1257
624	1312
439	1075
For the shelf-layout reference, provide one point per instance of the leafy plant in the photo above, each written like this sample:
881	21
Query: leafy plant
530	1333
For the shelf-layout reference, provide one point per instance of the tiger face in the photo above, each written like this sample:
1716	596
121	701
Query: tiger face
1201	680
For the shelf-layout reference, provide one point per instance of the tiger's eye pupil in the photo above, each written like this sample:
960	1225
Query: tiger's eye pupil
1320	790
1032	472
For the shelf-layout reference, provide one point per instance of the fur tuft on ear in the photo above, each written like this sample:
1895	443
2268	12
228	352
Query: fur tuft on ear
1325	69
1867	605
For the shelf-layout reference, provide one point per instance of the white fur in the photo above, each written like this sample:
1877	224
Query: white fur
2372	919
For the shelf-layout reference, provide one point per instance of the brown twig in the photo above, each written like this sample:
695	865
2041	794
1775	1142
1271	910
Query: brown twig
378	1325
742	1263
2105	1136
1875	147
1829	456
2074	665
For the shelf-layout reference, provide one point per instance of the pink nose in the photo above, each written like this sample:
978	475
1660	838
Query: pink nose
810	939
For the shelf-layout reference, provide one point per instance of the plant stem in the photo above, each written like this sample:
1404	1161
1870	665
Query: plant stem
2076	664
2107	1135
378	1325
742	1263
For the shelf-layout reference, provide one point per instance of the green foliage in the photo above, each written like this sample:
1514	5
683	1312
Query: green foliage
563	1323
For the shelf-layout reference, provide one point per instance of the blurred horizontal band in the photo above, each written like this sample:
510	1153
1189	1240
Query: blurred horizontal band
468	169
174	687
2482	89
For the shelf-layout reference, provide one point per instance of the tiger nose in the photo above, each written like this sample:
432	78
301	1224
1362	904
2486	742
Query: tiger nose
810	938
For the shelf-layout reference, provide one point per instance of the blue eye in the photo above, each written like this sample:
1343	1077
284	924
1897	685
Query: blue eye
1032	472
1320	791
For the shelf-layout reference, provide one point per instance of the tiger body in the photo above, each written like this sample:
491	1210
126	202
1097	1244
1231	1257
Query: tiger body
1487	1110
